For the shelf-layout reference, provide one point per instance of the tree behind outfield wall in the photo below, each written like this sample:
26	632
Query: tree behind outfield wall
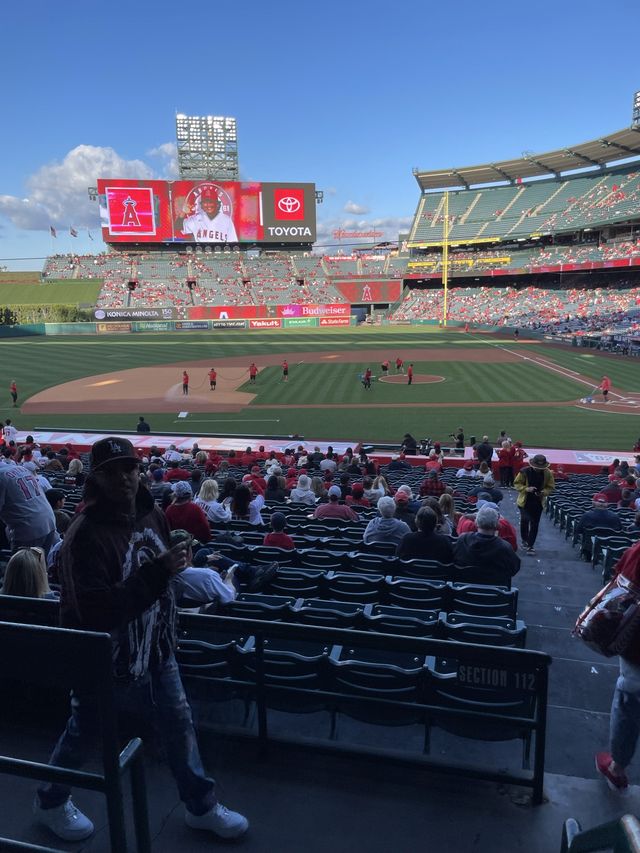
13	315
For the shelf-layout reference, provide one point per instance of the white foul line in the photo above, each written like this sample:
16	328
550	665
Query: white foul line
230	421
561	370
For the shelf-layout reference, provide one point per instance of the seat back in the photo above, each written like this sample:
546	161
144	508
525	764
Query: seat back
413	593
483	599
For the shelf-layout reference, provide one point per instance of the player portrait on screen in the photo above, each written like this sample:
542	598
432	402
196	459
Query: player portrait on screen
211	218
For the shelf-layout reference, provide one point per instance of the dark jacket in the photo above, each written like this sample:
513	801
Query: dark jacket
484	451
112	581
490	555
426	546
598	518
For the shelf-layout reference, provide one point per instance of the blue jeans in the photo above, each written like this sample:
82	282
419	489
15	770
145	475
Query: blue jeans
160	691
624	726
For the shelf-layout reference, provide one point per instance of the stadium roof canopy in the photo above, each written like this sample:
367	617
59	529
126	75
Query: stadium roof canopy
604	150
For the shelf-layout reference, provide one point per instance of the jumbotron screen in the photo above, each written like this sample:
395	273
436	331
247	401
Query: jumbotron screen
206	211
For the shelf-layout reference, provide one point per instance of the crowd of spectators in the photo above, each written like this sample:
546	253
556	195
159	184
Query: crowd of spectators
575	310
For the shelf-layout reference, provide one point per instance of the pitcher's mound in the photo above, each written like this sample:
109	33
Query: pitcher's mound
418	378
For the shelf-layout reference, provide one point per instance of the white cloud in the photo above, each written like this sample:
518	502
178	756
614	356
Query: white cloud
356	209
168	154
389	226
57	192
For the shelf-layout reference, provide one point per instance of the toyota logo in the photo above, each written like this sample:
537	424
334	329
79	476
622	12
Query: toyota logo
289	205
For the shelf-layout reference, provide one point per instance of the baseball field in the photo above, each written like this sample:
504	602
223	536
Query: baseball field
484	383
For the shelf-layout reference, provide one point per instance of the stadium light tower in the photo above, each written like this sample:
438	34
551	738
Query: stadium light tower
207	147
636	110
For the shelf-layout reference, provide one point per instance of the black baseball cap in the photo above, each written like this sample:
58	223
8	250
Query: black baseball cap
112	449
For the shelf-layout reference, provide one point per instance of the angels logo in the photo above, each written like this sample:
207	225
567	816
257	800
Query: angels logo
129	215
129	211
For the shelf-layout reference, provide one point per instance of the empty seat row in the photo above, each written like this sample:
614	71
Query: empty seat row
461	627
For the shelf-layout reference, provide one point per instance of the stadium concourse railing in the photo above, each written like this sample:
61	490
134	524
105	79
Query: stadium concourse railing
482	692
56	659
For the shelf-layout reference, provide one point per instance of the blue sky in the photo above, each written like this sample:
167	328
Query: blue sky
348	95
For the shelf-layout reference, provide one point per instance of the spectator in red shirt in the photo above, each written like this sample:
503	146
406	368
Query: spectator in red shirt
433	463
183	514
432	486
175	473
504	464
256	478
248	458
357	498
278	538
333	509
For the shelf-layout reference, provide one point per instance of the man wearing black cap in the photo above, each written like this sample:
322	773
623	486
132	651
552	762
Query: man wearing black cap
116	566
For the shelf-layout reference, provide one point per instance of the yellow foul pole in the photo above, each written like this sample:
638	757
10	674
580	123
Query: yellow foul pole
445	257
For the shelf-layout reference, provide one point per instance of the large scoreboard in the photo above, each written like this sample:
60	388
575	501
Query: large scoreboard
206	211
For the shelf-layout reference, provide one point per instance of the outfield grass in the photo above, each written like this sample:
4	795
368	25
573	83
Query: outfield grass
52	293
40	363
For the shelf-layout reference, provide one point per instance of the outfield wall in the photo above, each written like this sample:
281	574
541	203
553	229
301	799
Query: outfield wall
132	326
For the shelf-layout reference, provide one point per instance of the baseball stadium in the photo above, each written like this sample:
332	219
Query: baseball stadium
216	340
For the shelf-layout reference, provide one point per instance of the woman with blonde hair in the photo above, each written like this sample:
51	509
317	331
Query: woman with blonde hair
449	511
200	458
75	475
207	500
318	489
26	575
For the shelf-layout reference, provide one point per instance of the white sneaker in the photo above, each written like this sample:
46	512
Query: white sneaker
65	821
219	820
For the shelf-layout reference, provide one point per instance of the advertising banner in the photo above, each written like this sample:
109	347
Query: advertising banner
152	326
226	312
134	314
110	328
134	211
265	324
191	325
300	321
296	310
228	324
335	321
370	291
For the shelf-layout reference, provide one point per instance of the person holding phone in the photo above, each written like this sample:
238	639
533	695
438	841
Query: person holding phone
533	484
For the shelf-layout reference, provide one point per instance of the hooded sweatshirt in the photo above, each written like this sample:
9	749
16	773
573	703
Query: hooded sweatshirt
488	554
385	530
112	581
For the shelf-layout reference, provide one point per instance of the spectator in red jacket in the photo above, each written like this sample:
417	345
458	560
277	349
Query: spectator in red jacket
183	514
357	498
248	458
256	478
277	538
175	473
506	530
